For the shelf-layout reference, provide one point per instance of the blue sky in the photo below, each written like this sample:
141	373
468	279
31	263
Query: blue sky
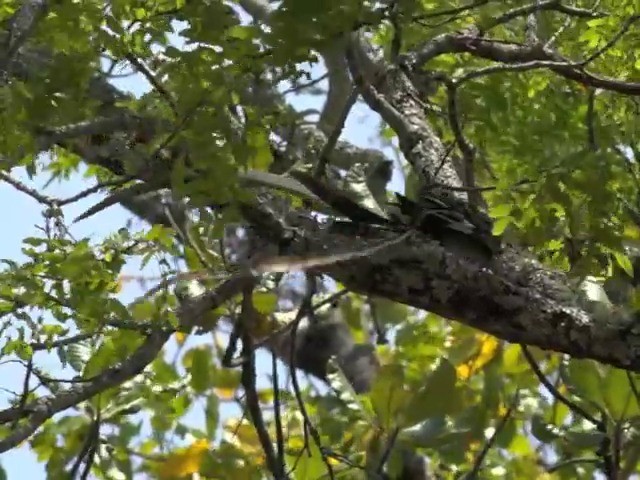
25	213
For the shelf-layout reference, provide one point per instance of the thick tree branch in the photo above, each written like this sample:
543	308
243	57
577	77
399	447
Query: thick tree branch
41	410
522	57
516	299
390	93
38	411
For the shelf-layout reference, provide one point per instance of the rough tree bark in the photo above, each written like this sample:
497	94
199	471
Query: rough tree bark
514	298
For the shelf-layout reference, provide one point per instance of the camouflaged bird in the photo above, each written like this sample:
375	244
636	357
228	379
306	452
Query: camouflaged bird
456	224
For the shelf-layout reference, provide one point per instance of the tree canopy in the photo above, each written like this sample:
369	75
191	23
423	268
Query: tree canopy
482	324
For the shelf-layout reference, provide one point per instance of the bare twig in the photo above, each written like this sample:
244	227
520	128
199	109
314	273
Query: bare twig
18	185
555	392
387	451
277	414
537	7
151	78
467	149
396	40
35	346
252	401
309	428
39	411
573	461
477	464
450	11
303	86
95	189
335	134
590	121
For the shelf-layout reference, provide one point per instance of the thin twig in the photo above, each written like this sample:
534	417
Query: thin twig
25	390
536	7
335	134
555	392
387	451
276	410
252	400
396	40
590	121
477	464
308	428
95	189
151	78
572	461
303	86
625	27
35	346
18	185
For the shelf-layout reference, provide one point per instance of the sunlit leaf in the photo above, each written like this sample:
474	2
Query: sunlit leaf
183	461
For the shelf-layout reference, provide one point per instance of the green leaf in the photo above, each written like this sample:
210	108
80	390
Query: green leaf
624	262
78	354
144	310
439	396
584	440
501	224
584	379
543	431
212	415
388	396
618	395
199	364
388	312
503	210
265	302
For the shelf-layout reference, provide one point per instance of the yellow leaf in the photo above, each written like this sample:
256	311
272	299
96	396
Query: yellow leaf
265	302
463	371
487	350
184	461
180	337
225	393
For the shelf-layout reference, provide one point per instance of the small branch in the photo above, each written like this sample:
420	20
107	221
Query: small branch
303	86
609	466
36	346
21	26
387	451
555	392
252	401
396	40
277	414
25	390
467	149
477	464
573	461
335	134
95	189
40	410
537	7
590	121
517	58
553	38
151	78
625	27
450	11
308	427
18	185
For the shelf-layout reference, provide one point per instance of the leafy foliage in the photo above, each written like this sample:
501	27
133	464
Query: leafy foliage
558	158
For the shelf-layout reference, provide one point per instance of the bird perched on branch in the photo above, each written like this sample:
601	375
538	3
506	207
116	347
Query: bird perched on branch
456	224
